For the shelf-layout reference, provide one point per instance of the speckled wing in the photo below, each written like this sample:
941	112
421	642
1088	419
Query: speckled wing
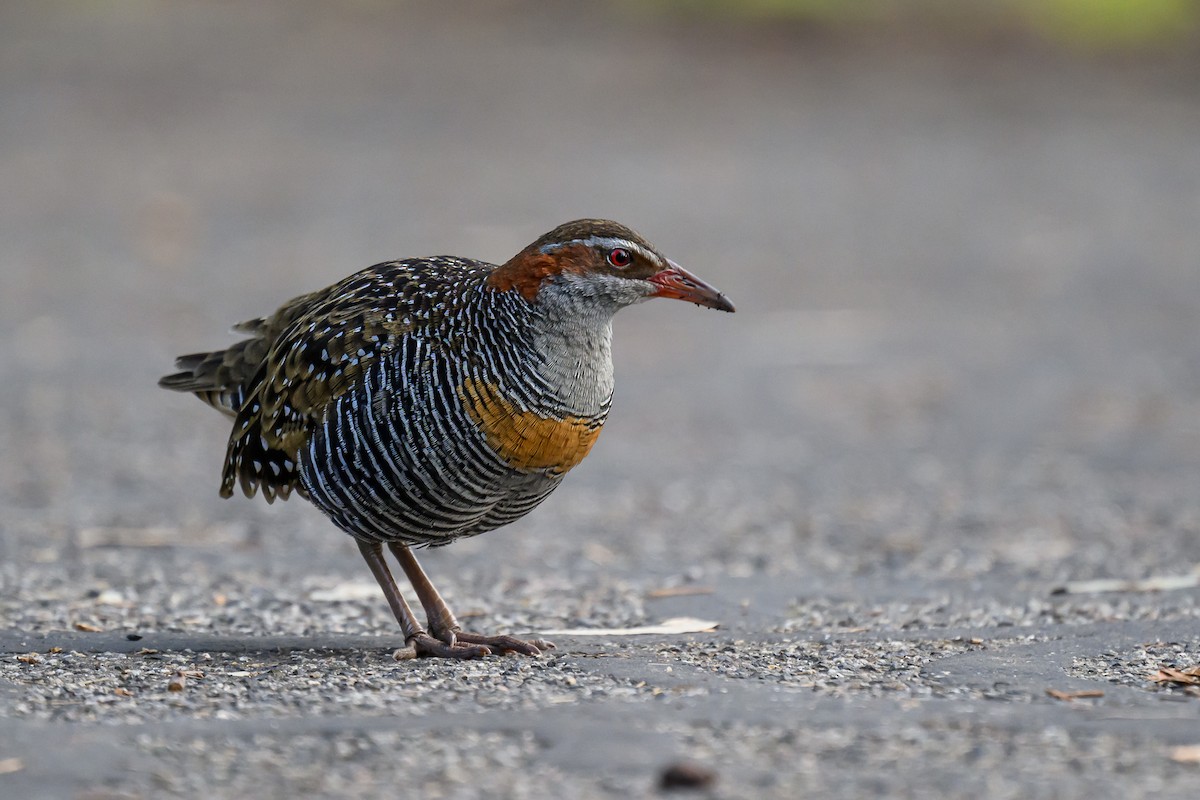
330	338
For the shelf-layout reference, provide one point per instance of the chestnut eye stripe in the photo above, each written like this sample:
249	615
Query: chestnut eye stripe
609	243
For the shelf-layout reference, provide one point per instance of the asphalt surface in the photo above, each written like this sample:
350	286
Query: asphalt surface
964	373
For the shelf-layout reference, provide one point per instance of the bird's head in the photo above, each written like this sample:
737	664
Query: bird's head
604	262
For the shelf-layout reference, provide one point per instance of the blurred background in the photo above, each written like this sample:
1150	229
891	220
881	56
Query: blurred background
962	237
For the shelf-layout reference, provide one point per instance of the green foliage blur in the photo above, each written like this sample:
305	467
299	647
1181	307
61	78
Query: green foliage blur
1091	25
1113	24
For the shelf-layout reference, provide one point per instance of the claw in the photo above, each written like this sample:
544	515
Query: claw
506	644
423	644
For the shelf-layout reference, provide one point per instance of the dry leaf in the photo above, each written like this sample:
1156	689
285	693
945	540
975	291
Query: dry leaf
122	692
1179	677
598	553
679	591
1157	583
163	536
666	627
146	651
89	538
349	591
29	658
1185	754
1058	694
10	765
54	650
87	627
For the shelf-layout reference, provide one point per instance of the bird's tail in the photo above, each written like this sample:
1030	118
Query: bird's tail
220	378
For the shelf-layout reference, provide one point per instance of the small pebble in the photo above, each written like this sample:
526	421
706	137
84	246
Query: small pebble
686	775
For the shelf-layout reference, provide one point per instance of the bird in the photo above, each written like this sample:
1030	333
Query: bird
424	400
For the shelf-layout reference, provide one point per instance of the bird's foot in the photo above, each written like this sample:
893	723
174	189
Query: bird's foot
424	645
505	644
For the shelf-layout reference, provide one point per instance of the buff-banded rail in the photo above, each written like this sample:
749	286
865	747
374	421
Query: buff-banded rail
423	400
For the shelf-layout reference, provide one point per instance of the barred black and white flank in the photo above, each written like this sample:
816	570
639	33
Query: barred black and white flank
422	400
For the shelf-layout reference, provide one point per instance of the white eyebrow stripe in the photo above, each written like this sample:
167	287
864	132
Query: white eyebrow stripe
610	243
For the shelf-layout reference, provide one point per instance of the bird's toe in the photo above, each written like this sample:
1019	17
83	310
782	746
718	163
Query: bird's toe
425	646
506	644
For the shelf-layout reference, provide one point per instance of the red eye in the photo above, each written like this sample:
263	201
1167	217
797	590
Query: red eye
619	257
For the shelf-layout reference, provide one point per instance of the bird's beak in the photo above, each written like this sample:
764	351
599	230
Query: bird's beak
677	283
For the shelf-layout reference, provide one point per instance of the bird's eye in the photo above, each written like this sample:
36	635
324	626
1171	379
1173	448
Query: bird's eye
619	257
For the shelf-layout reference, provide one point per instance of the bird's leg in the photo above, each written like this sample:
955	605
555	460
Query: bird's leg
442	622
415	636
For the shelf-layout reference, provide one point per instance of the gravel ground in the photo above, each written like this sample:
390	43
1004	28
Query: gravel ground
963	378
